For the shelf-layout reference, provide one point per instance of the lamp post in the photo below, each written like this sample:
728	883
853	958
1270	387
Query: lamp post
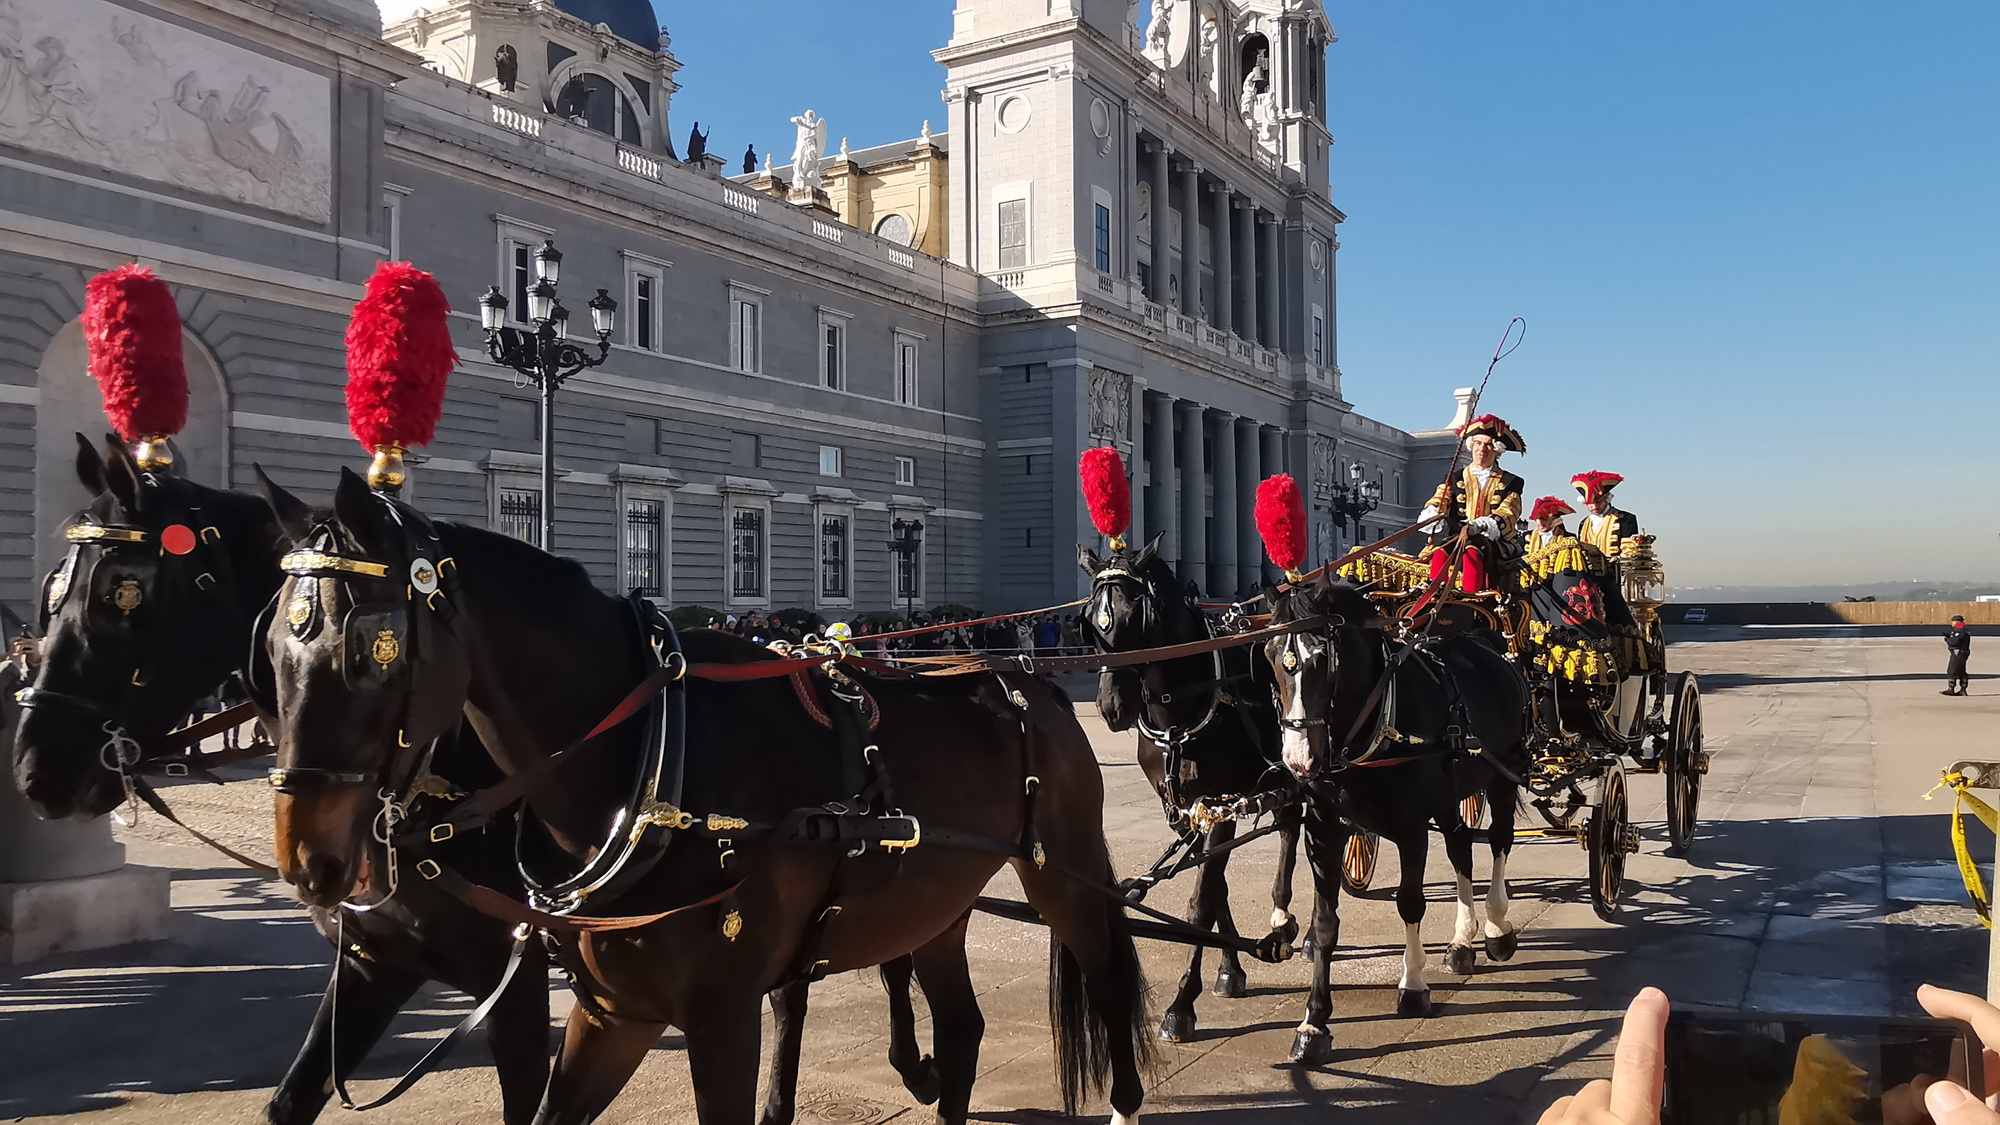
545	356
1358	497
907	543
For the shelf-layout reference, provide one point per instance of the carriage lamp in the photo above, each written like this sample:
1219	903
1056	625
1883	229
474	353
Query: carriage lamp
492	309
603	314
548	263
1644	578
544	355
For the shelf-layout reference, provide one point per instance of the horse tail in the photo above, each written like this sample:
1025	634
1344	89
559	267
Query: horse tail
1079	1011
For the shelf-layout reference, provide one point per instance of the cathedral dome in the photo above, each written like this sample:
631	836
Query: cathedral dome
633	20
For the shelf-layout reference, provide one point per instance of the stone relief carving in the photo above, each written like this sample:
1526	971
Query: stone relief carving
1323	467
809	150
94	83
1110	407
1159	28
1210	61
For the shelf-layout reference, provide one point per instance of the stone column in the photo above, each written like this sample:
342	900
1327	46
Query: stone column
1225	262
1165	516
1249	548
1247	324
1194	494
1222	571
1271	451
1269	273
1157	290
1191	239
1136	464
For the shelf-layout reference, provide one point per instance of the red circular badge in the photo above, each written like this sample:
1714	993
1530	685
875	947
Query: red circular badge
177	539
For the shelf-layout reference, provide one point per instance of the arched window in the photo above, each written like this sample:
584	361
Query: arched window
596	102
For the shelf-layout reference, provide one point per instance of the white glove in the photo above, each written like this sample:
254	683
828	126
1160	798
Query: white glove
1488	526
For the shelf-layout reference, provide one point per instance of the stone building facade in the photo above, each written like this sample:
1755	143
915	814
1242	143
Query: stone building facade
1122	234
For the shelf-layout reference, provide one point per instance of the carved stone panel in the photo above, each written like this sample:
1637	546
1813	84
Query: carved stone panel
1323	466
110	87
1110	407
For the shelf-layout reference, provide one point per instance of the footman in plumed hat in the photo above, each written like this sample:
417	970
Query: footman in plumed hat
1483	498
1548	516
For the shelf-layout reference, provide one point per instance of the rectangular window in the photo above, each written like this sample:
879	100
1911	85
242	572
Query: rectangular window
520	275
909	562
1319	338
521	514
746	334
644	300
832	350
1013	234
906	470
646	546
833	557
746	451
746	553
829	460
1100	238
906	370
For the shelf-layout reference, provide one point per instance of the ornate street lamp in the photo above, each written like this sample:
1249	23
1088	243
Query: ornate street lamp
906	546
1355	499
544	356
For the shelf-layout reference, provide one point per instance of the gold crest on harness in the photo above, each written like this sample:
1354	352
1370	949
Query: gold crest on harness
58	588
385	649
732	924
1103	619
299	612
127	596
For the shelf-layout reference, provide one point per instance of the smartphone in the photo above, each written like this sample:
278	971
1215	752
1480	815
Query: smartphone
1756	1068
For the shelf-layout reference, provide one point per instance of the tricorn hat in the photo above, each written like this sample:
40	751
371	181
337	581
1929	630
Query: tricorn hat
1595	486
1495	427
1550	507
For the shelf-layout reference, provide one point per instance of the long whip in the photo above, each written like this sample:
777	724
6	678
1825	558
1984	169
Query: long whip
1500	351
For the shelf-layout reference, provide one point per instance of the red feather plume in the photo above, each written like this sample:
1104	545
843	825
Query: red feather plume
398	354
1549	506
132	329
1281	520
1105	490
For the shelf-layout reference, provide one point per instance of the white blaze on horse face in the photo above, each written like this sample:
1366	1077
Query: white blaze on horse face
1297	747
1467	926
1496	899
1413	961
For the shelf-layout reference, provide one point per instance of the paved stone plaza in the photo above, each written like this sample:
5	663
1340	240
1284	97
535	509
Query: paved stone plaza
1821	881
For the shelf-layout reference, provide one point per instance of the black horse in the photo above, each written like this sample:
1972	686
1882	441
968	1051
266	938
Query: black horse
1208	732
380	665
135	636
1391	736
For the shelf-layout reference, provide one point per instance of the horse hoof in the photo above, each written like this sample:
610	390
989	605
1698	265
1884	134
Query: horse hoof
925	1084
1460	959
1502	948
1229	984
1312	1047
1177	1027
1413	1002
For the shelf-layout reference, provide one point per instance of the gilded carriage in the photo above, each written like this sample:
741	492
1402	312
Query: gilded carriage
1586	631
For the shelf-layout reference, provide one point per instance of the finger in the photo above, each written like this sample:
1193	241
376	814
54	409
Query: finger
1946	1004
1638	1070
1951	1104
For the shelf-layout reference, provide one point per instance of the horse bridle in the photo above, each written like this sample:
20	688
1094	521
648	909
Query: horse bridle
398	657
121	753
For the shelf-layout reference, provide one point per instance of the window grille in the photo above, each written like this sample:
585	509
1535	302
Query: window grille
746	554
833	557
645	546
521	514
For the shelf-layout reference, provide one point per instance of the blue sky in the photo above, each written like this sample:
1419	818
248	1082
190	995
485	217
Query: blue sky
1755	243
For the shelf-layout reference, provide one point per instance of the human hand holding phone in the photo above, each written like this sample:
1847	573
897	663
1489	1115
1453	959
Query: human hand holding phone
1949	1102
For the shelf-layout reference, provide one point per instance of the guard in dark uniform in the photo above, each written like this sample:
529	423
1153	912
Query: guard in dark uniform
1604	527
1958	643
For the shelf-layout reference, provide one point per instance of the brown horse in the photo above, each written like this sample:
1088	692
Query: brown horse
392	642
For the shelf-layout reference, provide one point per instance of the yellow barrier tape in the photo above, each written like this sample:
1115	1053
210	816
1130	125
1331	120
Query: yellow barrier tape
1968	868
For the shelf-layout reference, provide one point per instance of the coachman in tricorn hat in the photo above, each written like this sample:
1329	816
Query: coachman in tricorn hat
1483	498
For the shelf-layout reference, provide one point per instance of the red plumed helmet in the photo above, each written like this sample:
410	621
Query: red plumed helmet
132	329
398	354
1281	520
1106	491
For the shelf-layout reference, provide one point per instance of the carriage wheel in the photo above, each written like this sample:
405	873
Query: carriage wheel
1609	839
1684	765
1472	811
1357	867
